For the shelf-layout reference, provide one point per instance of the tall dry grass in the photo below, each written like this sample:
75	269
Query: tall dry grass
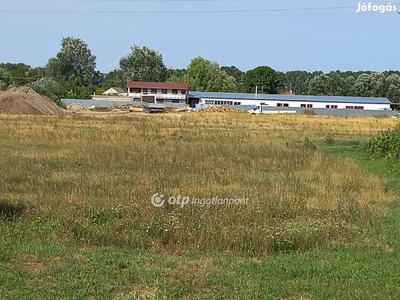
92	178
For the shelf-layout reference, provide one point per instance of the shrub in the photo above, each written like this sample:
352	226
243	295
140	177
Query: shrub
49	88
386	144
3	86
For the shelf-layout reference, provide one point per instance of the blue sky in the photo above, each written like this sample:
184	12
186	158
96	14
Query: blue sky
284	40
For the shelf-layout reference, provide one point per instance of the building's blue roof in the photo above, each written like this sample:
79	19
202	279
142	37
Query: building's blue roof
298	98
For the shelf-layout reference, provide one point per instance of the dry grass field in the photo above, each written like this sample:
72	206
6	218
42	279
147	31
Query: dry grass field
87	182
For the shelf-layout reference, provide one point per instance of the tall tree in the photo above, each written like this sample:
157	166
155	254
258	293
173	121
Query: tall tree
337	84
74	64
349	84
266	79
114	79
206	76
98	79
176	75
18	73
5	77
297	81
143	64
235	73
393	93
320	85
370	85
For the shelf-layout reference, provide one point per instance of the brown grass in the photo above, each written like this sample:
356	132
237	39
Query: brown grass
92	177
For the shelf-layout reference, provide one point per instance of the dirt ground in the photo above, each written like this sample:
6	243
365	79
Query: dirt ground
24	100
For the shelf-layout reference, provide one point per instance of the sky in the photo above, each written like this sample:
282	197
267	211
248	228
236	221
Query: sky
242	33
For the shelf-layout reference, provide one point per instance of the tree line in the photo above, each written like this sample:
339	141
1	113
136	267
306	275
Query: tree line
72	73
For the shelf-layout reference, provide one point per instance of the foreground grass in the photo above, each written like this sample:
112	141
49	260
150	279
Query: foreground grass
88	183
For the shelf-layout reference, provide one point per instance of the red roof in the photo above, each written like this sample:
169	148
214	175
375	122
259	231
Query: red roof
158	85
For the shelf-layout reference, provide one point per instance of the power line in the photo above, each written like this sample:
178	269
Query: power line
99	12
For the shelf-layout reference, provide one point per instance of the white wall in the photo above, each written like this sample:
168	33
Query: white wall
160	96
296	104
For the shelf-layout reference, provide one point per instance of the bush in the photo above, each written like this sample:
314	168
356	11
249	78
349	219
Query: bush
3	86
386	144
49	88
45	92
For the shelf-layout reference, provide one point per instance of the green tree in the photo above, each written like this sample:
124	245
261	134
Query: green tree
143	64
5	76
349	84
176	78
74	64
19	73
297	81
266	79
36	73
114	79
338	86
235	73
176	75
98	79
206	76
320	85
371	85
393	92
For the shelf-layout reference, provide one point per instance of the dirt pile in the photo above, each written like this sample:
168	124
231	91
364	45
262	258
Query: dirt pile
131	108
24	100
77	107
309	112
217	109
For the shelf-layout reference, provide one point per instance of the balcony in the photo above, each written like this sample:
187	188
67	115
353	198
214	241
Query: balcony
160	96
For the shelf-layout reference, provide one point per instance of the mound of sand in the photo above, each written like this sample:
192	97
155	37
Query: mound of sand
24	100
77	107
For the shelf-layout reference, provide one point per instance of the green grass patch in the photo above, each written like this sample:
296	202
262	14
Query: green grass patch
77	223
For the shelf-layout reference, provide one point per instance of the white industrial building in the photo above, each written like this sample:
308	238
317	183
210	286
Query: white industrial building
290	101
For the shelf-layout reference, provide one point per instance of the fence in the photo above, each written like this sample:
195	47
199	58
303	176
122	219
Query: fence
317	111
110	103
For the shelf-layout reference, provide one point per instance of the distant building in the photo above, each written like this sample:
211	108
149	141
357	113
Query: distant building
115	91
290	101
166	92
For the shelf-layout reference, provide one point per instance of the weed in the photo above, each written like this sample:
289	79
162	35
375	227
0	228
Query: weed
386	144
329	140
308	144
